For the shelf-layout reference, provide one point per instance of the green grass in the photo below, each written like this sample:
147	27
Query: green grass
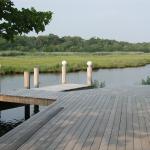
76	62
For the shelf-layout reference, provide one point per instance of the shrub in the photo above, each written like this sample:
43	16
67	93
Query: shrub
97	84
146	81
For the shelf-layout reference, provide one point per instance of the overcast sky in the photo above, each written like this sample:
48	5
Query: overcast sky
123	20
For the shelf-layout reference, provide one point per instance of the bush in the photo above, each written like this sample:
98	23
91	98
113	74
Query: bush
97	84
12	53
146	81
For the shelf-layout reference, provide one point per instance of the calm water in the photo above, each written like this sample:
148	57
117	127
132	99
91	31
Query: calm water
111	77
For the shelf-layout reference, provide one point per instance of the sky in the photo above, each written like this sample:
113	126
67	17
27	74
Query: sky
122	20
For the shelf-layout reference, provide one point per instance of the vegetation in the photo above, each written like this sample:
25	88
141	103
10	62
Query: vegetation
146	81
14	21
54	43
76	62
98	84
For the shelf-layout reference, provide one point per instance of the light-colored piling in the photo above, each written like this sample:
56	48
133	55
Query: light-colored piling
27	86
89	73
64	70
36	85
36	77
26	80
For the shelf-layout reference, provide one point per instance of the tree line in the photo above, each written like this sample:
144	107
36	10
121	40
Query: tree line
54	43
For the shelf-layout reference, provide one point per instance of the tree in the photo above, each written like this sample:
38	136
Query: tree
14	21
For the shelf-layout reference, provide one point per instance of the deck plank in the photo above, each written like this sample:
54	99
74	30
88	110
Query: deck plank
112	145
68	136
121	143
100	133
83	122
108	130
142	124
99	119
90	139
63	87
136	128
61	128
129	130
84	134
38	138
146	110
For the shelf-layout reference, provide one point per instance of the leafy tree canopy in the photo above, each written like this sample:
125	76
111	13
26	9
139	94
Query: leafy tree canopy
54	43
14	21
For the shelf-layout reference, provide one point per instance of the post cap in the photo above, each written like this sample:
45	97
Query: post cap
64	62
89	63
36	68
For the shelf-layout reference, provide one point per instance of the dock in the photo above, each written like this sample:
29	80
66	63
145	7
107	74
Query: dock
92	119
42	96
26	96
64	87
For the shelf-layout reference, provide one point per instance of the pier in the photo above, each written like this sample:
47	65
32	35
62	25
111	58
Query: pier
32	96
88	119
26	97
77	119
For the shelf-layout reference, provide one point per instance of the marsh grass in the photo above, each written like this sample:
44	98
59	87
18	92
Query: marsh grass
76	62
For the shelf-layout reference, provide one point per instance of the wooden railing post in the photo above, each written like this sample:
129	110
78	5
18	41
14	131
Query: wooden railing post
26	80
36	77
27	86
89	73
36	85
64	65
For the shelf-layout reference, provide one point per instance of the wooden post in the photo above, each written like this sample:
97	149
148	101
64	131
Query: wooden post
64	64
89	73
26	80
27	111
36	85
27	86
36	109
36	77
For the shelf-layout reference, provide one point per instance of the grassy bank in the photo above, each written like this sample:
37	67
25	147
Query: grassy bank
76	62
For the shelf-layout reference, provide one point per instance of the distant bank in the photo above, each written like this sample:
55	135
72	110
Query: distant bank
51	63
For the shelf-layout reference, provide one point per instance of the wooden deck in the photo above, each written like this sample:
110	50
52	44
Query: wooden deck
26	96
99	119
38	96
64	87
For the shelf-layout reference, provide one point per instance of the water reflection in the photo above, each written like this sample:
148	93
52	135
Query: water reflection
112	78
11	118
7	126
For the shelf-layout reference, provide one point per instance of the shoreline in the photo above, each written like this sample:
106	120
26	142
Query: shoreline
76	70
52	64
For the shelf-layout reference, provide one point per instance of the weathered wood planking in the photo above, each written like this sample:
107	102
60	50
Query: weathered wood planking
64	87
29	131
27	97
26	100
99	119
